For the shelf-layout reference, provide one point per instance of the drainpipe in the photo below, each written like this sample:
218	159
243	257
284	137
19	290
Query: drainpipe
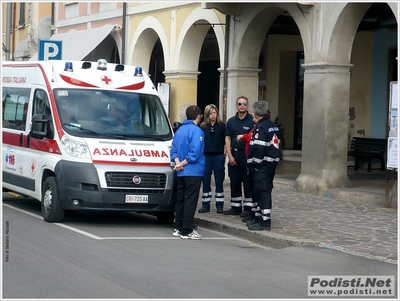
123	32
52	25
13	31
8	31
225	82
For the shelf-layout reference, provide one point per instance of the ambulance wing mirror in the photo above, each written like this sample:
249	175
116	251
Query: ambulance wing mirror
40	127
176	125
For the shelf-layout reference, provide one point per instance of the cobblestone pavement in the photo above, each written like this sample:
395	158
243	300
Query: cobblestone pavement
352	225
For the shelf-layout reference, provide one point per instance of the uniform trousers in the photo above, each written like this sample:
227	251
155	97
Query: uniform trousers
216	164
187	196
238	174
263	183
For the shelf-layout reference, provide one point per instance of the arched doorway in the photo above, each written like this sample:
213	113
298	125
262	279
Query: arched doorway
208	79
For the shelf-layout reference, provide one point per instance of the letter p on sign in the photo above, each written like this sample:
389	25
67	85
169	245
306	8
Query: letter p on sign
50	50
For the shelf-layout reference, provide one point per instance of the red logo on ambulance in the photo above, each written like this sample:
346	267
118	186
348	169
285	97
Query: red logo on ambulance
105	79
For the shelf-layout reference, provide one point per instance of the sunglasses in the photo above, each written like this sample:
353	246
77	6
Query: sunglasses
242	104
212	130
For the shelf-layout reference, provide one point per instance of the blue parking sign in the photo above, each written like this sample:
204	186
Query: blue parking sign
50	50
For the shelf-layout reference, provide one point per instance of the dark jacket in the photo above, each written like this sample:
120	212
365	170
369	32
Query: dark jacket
264	144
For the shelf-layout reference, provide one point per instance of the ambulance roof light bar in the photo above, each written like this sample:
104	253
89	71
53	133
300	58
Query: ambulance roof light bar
102	64
68	67
138	71
86	65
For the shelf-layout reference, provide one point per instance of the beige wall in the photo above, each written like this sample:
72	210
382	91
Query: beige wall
360	84
25	37
280	56
280	72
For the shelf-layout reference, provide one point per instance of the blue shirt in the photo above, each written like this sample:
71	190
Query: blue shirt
188	143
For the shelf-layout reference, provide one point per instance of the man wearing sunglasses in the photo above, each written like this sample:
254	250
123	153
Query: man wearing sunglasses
239	124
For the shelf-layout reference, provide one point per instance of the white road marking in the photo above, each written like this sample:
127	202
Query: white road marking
163	238
57	224
87	234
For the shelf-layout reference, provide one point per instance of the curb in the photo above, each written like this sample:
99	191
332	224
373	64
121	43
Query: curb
265	238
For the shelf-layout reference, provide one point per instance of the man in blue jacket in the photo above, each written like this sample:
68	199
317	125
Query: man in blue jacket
187	152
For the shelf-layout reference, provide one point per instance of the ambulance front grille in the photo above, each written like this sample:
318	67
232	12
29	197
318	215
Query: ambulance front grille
144	180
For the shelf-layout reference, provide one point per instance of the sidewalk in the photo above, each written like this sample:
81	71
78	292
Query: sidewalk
350	220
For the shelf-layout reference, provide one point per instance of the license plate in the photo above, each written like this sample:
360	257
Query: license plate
132	198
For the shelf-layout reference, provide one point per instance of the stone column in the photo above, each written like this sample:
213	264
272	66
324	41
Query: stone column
325	128
241	82
183	92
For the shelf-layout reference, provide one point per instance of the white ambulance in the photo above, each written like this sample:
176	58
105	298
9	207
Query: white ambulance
86	136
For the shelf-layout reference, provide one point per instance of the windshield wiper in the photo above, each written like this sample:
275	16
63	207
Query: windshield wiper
82	129
152	137
116	136
88	131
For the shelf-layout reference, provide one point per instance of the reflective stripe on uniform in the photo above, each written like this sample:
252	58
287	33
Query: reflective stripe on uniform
267	159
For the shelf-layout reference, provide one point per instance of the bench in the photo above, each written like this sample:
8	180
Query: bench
367	149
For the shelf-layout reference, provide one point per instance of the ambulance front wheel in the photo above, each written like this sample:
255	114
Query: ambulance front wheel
51	203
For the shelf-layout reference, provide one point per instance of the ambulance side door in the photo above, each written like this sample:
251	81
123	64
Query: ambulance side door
15	130
41	148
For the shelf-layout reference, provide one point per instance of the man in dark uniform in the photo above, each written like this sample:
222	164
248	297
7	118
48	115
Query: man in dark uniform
262	159
239	124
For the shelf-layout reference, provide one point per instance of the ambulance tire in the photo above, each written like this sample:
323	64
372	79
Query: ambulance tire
51	203
166	217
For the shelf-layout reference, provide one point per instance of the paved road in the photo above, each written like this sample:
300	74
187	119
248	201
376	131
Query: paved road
133	256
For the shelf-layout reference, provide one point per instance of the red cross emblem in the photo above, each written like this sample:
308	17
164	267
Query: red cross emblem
106	80
275	141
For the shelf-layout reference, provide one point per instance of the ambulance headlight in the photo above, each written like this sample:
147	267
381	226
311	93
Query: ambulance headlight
75	148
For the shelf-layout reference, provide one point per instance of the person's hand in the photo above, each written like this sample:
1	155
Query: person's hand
178	166
239	137
232	160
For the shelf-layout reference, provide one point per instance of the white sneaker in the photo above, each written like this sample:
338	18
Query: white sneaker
176	233
193	235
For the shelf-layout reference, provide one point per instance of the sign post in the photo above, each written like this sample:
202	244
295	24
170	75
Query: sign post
50	50
392	143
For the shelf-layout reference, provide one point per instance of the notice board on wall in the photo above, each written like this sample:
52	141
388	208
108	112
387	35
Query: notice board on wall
392	145
164	90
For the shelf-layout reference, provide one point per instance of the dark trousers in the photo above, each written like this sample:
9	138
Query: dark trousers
238	174
187	196
263	179
214	163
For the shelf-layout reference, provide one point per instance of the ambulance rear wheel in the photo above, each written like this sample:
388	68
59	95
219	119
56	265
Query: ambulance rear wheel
51	203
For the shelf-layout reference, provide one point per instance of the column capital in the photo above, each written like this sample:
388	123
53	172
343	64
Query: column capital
326	67
243	72
180	74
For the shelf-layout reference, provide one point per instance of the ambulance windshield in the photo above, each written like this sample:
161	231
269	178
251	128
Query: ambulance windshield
123	114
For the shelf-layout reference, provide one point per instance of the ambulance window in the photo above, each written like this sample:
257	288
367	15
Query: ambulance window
41	105
15	106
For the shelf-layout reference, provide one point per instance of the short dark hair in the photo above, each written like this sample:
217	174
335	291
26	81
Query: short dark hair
192	112
244	97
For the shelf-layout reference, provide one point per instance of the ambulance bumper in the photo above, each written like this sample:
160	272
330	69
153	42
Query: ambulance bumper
81	190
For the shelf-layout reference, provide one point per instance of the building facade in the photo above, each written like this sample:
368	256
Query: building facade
23	25
324	68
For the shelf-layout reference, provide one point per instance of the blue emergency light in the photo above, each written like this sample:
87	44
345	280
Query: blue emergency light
68	66
138	71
